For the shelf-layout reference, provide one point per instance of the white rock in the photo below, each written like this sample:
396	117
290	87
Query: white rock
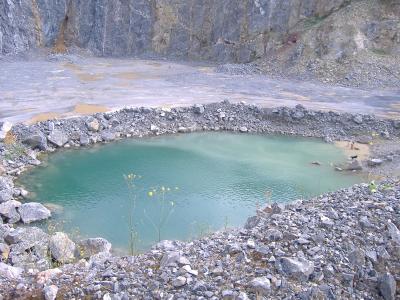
50	292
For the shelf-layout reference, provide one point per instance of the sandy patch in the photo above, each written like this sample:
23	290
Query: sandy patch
43	117
361	150
88	109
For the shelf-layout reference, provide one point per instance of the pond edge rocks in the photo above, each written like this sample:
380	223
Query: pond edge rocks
338	245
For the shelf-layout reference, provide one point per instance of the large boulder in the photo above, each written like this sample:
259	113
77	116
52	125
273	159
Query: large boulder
62	249
32	212
58	138
297	268
93	246
36	140
387	286
8	211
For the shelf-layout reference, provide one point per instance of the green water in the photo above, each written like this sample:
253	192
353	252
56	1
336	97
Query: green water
222	178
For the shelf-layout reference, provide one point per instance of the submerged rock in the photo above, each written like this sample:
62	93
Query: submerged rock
62	249
32	212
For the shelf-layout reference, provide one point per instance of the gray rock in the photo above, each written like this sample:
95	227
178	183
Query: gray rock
10	272
32	212
394	232
297	268
172	259
353	165
93	124
261	285
84	140
27	235
387	287
198	109
358	119
179	281
62	249
6	189
375	162
108	136
50	292
243	129
252	222
58	138
8	210
273	235
357	257
93	246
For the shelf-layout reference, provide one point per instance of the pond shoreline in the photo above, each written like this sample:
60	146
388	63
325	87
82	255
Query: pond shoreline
24	144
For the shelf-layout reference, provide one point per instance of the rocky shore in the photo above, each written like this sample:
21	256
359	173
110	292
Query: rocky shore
341	245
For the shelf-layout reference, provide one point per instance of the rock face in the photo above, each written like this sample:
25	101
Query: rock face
223	30
32	212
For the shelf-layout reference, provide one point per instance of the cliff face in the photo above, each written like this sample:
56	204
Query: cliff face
225	30
282	33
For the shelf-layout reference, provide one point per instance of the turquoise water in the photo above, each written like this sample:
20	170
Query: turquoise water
221	179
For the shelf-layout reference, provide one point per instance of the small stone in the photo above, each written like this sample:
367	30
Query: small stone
358	119
387	287
243	129
375	162
172	259
179	281
394	232
50	292
198	109
297	268
154	128
357	257
261	285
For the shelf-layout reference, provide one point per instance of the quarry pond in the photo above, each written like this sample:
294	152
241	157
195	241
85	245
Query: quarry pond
185	186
